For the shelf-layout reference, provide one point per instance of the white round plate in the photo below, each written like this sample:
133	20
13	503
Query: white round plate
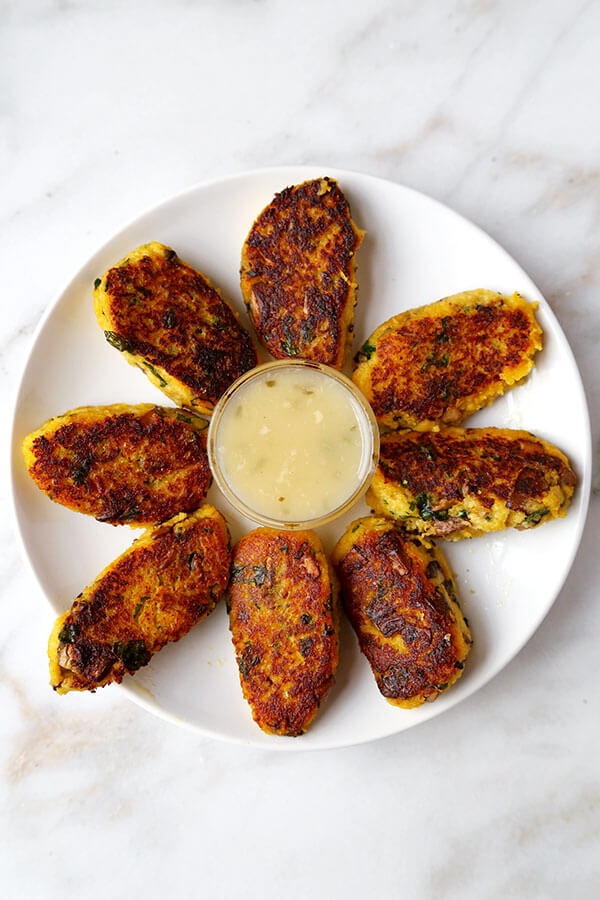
415	251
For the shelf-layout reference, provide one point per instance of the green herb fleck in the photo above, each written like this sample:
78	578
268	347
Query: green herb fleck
81	471
134	654
249	575
443	337
436	362
117	341
367	350
139	606
426	511
156	374
535	517
307	333
169	320
245	665
289	347
69	633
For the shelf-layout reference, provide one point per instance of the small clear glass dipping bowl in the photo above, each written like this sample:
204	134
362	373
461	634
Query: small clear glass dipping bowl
350	394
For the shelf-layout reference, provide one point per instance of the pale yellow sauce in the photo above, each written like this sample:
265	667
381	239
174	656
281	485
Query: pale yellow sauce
293	444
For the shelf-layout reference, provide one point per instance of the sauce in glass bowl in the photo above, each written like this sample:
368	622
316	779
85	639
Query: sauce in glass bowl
293	443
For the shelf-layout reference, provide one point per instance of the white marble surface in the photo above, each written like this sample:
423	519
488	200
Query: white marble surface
491	107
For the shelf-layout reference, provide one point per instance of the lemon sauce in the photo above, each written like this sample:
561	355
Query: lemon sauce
293	442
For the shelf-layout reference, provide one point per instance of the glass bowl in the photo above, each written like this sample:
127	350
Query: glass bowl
293	444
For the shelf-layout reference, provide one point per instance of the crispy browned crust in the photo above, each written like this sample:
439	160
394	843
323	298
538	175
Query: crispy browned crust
400	597
283	612
167	581
438	364
172	322
298	273
463	482
135	465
